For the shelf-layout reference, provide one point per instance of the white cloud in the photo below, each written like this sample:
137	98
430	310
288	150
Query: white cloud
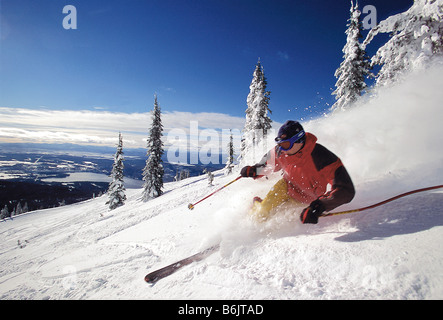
45	136
99	127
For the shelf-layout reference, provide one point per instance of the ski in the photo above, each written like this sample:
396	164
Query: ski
161	273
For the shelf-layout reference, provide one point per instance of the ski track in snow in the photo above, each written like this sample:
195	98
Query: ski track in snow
84	251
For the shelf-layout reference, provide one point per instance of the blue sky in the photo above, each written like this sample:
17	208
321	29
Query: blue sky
198	56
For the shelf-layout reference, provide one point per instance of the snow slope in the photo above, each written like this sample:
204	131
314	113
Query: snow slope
391	143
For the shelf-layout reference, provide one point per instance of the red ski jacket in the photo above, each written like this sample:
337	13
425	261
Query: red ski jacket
309	172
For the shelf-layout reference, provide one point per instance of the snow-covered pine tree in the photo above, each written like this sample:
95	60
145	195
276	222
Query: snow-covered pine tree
355	66
230	161
116	190
154	171
257	121
210	176
416	36
4	213
18	209
184	174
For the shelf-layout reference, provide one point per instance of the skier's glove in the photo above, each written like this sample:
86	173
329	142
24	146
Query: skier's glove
311	213
249	171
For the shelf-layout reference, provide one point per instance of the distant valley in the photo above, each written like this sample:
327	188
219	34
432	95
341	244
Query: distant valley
38	176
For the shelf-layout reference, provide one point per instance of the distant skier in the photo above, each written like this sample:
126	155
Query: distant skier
308	168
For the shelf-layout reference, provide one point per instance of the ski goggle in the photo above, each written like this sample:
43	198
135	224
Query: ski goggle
287	144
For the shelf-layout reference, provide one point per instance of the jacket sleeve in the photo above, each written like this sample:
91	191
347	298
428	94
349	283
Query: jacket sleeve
342	190
268	163
329	165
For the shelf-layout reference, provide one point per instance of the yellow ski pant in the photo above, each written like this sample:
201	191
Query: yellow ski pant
277	196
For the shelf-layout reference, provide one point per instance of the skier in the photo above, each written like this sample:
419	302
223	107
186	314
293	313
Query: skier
308	169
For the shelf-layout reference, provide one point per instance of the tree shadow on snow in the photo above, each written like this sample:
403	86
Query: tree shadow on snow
403	216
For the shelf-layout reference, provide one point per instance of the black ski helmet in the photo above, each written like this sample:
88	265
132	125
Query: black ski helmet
289	129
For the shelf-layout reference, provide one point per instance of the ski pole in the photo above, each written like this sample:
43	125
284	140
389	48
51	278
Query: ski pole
382	202
191	206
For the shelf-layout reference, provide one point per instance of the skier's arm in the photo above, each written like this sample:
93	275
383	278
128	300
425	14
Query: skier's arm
268	164
342	191
262	168
331	167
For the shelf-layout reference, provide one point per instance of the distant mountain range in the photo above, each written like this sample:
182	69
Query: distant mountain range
47	175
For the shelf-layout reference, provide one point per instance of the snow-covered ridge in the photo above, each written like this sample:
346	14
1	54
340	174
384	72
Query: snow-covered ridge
390	143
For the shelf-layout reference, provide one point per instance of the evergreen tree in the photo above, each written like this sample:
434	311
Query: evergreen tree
177	175
184	174
416	36
230	161
25	208
210	176
116	190
257	121
4	213
355	66
18	209
154	171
